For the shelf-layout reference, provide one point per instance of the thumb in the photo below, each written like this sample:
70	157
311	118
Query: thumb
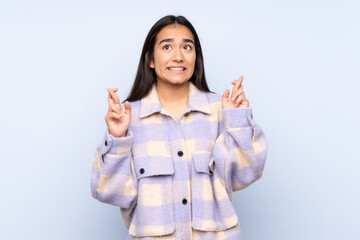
127	107
225	96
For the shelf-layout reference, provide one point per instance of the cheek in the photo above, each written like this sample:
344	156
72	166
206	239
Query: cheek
160	60
193	60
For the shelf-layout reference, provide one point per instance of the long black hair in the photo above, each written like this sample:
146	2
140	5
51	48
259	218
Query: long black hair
146	76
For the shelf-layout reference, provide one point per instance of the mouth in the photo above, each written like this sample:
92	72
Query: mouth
180	69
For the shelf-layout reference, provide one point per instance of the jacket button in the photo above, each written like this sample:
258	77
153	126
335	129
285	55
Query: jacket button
142	171
106	143
186	114
180	153
184	201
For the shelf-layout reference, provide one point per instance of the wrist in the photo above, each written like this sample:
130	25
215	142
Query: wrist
121	134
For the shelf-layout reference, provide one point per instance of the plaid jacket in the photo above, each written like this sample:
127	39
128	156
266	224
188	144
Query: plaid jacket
167	172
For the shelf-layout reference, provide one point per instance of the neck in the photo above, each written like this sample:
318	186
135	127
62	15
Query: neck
171	94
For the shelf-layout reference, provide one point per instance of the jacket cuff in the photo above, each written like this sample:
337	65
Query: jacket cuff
238	117
116	145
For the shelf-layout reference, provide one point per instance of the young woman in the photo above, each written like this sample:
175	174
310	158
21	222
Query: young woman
175	151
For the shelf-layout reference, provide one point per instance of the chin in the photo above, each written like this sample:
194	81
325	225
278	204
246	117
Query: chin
180	82
174	80
177	81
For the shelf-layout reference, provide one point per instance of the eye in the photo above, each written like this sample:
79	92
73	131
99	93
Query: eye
187	47
167	47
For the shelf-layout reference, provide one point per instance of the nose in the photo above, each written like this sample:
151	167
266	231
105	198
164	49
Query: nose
178	55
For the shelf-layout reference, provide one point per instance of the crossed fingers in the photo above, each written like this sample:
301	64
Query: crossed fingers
114	102
237	93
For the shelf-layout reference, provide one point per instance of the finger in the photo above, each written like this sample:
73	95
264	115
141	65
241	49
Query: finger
246	102
113	115
225	96
114	108
238	90
237	94
113	95
241	78
240	99
127	107
114	89
236	87
110	101
232	93
114	99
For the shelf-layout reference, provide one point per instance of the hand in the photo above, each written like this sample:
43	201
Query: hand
237	98
117	119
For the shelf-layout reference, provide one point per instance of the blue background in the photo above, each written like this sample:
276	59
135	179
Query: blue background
301	64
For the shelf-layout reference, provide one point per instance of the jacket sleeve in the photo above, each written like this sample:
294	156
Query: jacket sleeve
240	150
113	179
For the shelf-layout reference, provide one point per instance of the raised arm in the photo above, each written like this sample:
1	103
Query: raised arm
113	179
241	148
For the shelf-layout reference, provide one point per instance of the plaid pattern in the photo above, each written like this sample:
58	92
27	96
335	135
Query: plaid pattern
173	179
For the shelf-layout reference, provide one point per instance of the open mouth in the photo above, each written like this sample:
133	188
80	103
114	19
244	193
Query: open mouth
177	68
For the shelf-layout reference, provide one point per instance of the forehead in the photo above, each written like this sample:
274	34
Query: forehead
175	31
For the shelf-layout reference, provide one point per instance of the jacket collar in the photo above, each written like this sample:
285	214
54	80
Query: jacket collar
197	102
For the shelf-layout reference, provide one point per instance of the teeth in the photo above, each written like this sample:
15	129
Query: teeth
177	69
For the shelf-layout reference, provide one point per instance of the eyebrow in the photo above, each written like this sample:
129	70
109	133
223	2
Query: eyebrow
171	40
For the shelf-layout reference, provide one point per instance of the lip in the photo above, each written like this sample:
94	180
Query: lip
176	67
178	71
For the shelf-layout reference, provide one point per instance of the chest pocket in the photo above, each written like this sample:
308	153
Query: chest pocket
154	214
212	209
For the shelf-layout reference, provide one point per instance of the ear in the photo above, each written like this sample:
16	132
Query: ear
151	62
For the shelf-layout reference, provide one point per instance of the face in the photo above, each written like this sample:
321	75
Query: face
174	55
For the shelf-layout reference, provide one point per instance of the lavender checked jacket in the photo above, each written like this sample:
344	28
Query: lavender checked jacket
174	178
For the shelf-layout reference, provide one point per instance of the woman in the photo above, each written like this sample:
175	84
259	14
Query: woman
175	152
